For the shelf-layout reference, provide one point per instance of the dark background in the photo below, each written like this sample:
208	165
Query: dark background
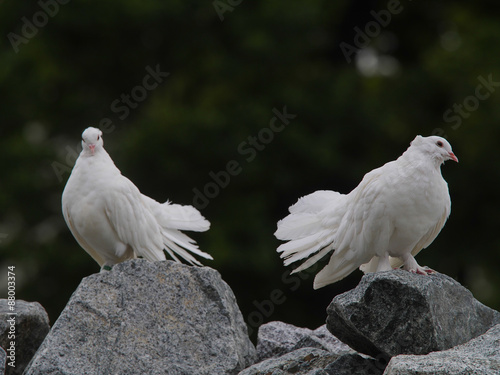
420	70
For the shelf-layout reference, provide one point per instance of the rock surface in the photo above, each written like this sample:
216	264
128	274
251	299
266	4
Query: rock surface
313	361
31	324
287	349
354	364
398	312
299	362
148	318
480	356
3	360
278	338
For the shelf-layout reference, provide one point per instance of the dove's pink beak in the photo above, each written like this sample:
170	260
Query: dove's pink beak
92	148
453	157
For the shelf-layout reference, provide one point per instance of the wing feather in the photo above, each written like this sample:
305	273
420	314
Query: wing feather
133	222
362	232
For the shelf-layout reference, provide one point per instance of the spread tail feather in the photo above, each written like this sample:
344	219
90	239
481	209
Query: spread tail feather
184	217
303	247
172	218
296	226
334	271
310	228
176	216
178	243
315	202
308	263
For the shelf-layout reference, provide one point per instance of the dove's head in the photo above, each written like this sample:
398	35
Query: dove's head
92	140
437	148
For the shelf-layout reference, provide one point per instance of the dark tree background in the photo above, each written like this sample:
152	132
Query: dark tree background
186	93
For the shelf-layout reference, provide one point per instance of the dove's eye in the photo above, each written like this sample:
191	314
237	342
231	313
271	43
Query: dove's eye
439	144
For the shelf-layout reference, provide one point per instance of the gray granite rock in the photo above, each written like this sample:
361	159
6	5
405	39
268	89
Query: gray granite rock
313	361
3	360
398	312
148	318
354	364
305	361
480	356
30	325
278	338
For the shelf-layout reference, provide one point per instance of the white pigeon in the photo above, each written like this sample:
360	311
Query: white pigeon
114	222
396	211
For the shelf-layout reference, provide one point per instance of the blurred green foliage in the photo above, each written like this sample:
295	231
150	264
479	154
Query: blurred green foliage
225	78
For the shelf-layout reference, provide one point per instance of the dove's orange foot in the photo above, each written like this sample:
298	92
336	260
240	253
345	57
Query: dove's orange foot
423	271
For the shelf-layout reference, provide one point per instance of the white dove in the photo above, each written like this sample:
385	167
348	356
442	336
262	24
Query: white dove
396	211
114	222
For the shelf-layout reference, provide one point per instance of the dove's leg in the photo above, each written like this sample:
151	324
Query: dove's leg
383	263
410	264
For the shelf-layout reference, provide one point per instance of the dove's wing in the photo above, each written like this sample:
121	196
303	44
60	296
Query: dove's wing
133	222
363	231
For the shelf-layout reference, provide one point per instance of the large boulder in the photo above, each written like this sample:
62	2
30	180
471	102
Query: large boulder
313	361
398	312
148	318
355	364
21	334
480	356
278	338
286	349
305	361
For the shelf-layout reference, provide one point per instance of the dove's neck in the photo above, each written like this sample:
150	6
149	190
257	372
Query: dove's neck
414	159
99	159
98	154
